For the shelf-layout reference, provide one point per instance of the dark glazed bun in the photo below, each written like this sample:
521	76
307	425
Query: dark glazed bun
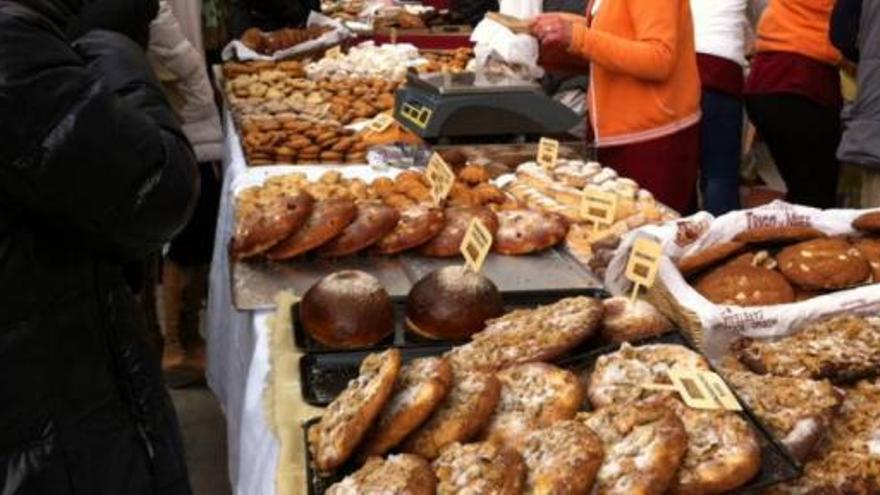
347	309
452	303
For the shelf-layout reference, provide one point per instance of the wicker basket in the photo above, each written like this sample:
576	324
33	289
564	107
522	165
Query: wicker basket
685	319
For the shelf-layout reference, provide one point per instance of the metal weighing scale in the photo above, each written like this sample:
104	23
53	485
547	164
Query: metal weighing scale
442	106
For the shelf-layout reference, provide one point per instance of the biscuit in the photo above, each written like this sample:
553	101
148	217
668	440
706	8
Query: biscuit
345	421
708	257
823	264
462	414
421	386
738	285
533	396
373	222
870	249
402	474
448	242
417	225
479	468
868	222
773	235
264	218
562	459
644	444
328	219
528	231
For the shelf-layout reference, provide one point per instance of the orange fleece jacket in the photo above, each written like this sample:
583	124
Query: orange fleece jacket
799	26
644	82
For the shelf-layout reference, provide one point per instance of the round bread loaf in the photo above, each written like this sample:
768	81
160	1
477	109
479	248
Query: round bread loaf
347	309
452	303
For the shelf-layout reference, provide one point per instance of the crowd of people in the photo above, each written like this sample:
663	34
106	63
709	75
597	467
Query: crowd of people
110	128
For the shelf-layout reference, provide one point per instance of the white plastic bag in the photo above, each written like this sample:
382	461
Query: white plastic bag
494	42
524	9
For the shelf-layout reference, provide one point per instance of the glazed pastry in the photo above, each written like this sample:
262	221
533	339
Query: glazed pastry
479	468
448	242
528	231
417	225
402	474
373	222
562	459
328	219
264	218
628	321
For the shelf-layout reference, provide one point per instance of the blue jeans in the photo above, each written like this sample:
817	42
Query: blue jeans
721	146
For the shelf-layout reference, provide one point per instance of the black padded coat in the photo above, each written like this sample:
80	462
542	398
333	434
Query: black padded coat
94	172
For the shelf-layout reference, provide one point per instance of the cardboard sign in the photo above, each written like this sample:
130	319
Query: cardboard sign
335	52
598	207
441	178
699	390
548	153
476	244
380	123
643	264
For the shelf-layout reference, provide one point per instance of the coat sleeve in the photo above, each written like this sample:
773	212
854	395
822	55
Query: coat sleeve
650	55
845	21
102	155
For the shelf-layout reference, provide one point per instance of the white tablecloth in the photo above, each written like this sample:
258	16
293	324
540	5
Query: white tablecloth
238	353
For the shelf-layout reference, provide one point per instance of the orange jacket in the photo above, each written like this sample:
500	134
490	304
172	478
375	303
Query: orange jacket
644	82
799	26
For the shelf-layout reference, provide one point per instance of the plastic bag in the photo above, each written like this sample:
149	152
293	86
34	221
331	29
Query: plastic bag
497	46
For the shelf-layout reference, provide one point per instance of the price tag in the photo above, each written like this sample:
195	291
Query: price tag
475	245
441	178
598	207
548	153
380	123
643	264
335	52
699	390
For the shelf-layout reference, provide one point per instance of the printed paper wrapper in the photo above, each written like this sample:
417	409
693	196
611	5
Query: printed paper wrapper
723	324
236	50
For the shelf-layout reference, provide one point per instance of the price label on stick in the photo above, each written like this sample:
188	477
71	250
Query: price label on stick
334	53
548	153
699	389
380	123
441	178
644	261
599	207
475	245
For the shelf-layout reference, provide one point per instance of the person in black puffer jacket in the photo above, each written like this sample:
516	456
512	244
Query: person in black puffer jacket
473	11
94	173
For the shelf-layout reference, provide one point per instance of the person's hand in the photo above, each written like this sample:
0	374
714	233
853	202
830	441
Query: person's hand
555	29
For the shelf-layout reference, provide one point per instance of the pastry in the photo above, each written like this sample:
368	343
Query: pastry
644	444
265	217
870	249
798	411
774	235
447	243
373	222
842	349
627	321
452	303
723	452
347	309
345	421
868	222
533	396
824	264
402	474
479	468
462	414
420	388
529	335
562	459
528	231
616	378
740	285
708	257
417	225
328	219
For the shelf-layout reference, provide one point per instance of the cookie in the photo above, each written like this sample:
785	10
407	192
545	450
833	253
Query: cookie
529	335
462	414
448	242
709	257
533	396
870	249
740	285
420	388
266	217
402	474
824	264
328	219
373	222
479	468
345	421
868	222
776	235
562	459
644	444
616	377
628	321
417	225
528	231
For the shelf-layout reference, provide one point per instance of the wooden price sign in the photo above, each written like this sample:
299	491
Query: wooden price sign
335	52
699	389
441	178
380	123
548	153
598	207
475	245
643	264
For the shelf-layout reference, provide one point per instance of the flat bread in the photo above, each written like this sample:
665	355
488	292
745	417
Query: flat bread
479	468
402	474
563	459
